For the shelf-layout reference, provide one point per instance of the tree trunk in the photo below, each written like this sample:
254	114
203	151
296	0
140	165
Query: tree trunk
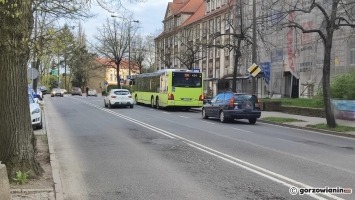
118	73
326	82
17	141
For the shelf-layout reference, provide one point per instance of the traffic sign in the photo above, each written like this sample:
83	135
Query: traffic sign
254	69
32	73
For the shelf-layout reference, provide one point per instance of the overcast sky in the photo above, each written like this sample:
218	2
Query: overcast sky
149	14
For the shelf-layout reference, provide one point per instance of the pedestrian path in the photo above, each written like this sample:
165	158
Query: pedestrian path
307	120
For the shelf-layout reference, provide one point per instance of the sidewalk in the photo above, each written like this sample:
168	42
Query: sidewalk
308	121
35	194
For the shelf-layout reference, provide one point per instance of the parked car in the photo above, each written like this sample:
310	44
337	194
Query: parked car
118	97
92	92
228	106
64	91
36	113
39	94
57	92
76	91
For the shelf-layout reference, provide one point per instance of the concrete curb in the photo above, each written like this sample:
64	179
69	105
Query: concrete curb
14	191
58	189
310	129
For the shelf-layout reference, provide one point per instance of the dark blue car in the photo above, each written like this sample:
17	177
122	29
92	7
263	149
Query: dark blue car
228	106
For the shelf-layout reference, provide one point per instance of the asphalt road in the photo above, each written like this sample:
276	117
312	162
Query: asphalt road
144	153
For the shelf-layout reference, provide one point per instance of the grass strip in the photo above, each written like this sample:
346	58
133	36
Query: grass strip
281	119
338	128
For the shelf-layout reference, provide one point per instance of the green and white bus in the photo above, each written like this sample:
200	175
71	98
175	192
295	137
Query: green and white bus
175	88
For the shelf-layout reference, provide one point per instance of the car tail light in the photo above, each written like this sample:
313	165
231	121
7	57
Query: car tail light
170	96
231	102
201	97
258	104
113	97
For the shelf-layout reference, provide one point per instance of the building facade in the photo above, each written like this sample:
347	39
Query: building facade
106	72
203	34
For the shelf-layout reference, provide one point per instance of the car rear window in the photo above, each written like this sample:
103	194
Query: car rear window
243	97
121	92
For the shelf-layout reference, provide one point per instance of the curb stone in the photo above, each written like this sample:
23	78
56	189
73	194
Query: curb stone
58	191
343	134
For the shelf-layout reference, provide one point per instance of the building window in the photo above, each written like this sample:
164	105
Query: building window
211	28
218	24
352	55
227	22
111	77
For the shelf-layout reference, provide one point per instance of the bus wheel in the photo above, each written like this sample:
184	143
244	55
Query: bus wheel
157	103
152	102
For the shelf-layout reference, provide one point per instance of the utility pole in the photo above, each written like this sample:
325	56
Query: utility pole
129	48
254	59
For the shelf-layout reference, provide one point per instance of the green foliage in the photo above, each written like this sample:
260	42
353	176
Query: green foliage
342	87
315	102
281	119
21	177
338	128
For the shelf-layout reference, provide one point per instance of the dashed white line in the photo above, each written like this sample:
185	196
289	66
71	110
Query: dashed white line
183	116
242	130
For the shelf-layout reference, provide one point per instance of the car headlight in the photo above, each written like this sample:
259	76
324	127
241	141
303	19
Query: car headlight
37	110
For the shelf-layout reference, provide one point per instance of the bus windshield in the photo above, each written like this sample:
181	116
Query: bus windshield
187	79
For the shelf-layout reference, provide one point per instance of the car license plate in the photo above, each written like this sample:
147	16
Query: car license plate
186	99
123	102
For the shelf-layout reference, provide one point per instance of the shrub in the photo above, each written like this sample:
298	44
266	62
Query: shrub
342	86
21	177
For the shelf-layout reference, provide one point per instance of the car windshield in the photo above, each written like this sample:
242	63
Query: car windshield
121	92
92	90
57	90
243	97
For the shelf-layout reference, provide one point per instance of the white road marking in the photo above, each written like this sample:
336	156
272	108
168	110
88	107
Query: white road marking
166	113
243	130
183	116
208	122
233	160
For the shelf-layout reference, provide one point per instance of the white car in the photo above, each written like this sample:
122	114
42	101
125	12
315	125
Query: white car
92	92
119	98
36	113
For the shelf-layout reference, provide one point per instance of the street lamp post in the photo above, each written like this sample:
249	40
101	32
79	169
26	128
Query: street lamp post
129	48
129	42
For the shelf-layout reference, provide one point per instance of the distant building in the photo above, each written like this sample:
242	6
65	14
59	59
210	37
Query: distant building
106	71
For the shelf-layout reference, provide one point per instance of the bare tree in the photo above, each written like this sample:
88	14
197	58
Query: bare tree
139	51
190	51
113	41
334	15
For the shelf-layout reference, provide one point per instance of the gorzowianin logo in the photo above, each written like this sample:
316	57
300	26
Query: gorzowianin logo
325	190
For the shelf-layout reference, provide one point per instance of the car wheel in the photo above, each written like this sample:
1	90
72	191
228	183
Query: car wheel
109	104
157	103
152	102
105	104
252	121
131	106
222	118
52	95
204	116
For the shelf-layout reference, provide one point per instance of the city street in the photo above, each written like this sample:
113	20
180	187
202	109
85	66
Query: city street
145	153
